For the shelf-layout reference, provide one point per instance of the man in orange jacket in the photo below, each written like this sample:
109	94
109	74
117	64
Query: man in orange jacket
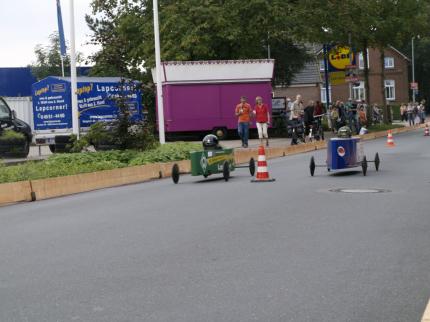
243	112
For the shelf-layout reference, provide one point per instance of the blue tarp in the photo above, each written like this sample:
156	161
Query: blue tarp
17	81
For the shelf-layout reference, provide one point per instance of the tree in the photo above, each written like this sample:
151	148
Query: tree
422	63
366	23
48	59
395	23
194	30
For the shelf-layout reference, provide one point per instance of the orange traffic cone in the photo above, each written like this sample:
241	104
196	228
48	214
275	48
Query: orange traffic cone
262	172
426	130
390	140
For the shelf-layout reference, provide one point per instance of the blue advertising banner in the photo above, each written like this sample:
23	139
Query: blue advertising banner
52	105
97	102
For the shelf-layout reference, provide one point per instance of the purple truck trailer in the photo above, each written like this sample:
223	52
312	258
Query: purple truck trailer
201	96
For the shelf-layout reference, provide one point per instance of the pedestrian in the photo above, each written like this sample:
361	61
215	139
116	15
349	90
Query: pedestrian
243	112
351	110
297	109
308	116
422	111
403	113
362	119
410	112
319	109
416	113
262	117
288	108
377	117
338	116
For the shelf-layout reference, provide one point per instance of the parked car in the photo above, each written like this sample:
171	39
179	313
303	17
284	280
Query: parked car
15	134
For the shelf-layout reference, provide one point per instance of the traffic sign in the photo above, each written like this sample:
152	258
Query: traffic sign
414	86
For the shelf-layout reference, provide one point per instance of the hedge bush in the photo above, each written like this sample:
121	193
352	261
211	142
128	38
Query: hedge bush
59	165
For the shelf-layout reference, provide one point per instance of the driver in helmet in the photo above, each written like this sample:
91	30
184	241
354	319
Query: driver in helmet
344	132
211	142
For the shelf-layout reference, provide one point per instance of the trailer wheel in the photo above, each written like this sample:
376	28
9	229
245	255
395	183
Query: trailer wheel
226	171
377	161
252	167
52	148
175	173
364	166
220	132
312	166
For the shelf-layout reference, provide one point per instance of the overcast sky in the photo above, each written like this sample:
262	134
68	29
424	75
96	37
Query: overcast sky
26	23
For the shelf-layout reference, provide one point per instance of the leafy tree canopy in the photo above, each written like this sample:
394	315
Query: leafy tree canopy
48	59
194	30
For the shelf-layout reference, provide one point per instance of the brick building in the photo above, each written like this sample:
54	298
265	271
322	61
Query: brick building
310	81
307	82
396	81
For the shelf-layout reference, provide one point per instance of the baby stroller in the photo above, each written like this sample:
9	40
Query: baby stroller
316	131
296	129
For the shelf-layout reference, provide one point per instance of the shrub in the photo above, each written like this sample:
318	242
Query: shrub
9	135
65	164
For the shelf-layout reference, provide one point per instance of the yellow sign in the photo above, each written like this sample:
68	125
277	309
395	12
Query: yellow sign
337	78
340	57
219	158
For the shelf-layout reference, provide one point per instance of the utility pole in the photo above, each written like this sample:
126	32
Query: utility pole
413	68
327	84
160	104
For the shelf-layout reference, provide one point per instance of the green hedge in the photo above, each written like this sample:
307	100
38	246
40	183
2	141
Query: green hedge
396	112
383	127
59	165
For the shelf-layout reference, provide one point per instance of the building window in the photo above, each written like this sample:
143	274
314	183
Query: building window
323	94
389	62
390	90
359	92
361	59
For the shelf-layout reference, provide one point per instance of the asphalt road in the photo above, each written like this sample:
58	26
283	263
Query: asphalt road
206	250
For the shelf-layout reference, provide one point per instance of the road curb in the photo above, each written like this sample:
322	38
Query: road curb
426	315
27	191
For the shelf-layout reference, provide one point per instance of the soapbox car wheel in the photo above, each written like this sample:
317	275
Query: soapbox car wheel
252	167
226	171
312	166
175	173
364	165
377	161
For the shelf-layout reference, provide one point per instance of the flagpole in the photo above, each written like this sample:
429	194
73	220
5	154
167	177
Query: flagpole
160	105
62	65
73	78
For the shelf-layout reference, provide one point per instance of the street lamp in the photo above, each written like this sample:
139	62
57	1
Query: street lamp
160	104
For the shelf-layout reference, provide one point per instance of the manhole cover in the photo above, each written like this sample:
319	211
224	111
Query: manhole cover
360	190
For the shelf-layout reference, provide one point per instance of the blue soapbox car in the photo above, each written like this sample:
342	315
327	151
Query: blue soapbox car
343	153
